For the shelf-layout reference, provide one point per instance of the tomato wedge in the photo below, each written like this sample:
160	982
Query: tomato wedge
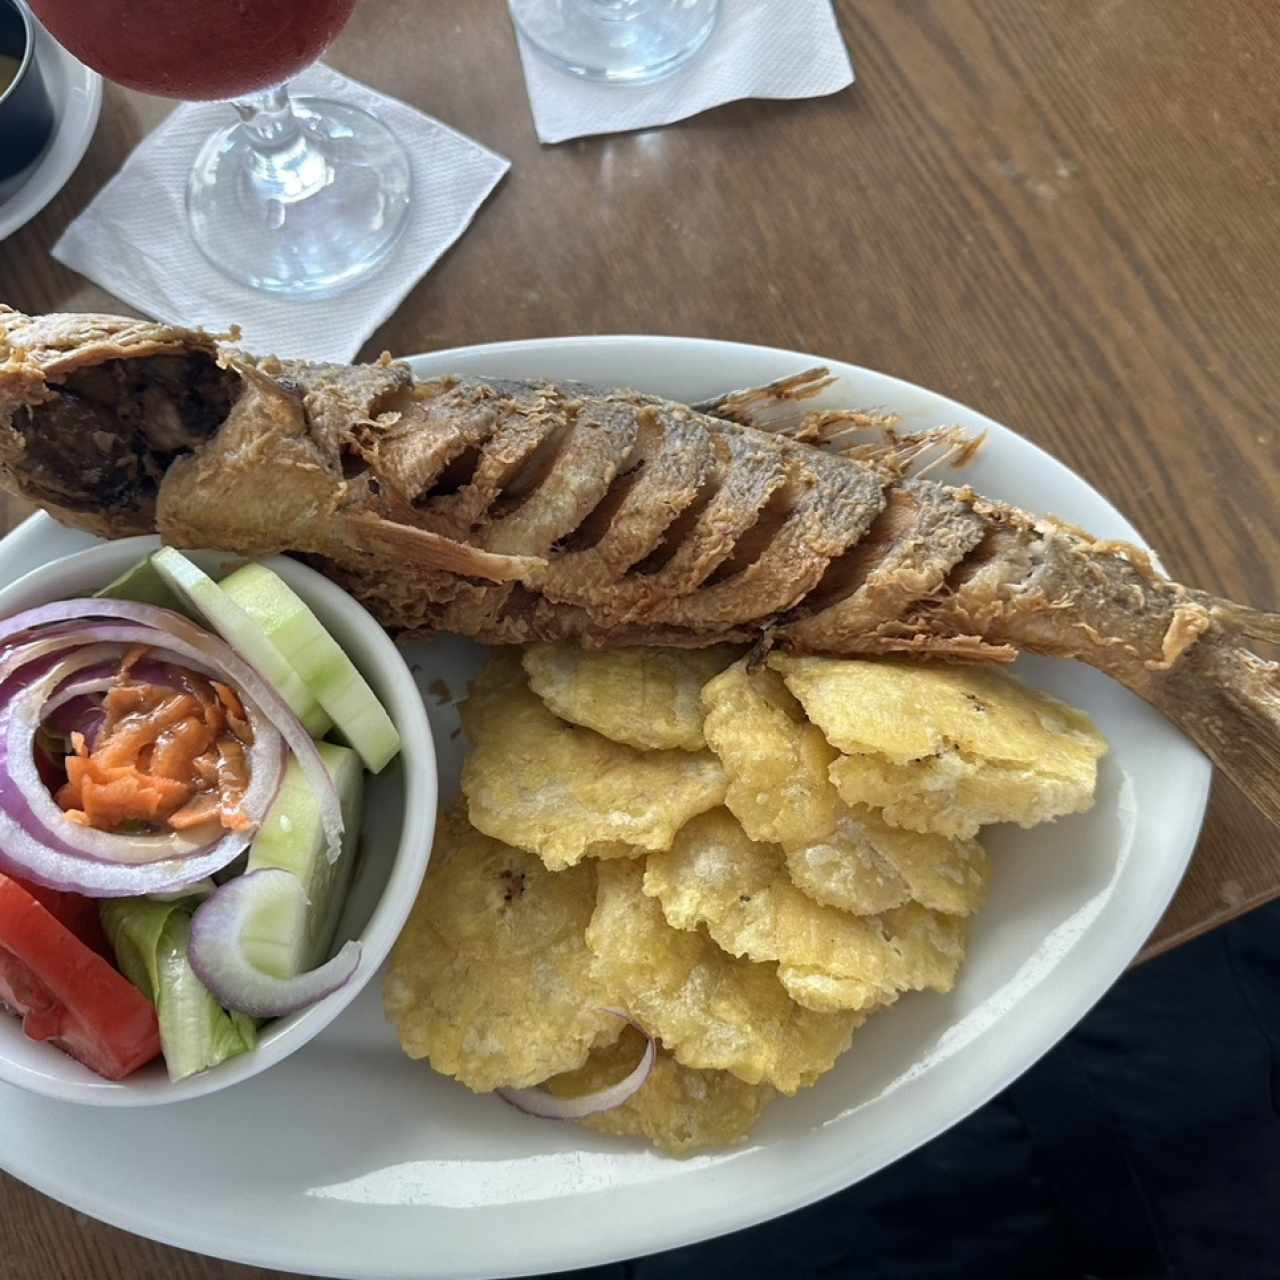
65	991
78	914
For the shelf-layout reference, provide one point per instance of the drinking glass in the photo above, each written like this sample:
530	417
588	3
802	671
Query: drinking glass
298	196
620	41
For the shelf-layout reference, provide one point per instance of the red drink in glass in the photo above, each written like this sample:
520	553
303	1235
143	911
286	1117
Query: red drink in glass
302	197
196	49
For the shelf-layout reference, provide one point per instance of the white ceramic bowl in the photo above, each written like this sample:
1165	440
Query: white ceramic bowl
400	809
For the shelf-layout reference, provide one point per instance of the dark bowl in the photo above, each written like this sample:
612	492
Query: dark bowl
26	112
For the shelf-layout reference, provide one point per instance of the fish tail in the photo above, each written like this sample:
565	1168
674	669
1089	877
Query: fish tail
1227	700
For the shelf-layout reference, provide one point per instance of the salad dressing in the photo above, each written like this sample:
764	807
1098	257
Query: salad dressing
160	757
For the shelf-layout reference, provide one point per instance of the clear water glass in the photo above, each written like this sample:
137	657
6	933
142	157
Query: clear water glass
616	41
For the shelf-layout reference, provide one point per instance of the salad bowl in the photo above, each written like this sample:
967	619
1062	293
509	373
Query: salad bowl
392	852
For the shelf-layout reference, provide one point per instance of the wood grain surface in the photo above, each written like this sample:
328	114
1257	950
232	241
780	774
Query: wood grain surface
1065	213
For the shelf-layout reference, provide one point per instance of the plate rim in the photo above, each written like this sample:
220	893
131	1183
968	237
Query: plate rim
810	1185
15	213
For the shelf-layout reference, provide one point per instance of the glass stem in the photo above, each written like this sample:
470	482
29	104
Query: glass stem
268	117
284	156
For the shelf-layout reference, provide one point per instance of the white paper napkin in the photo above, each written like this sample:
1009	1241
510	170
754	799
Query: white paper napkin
133	239
760	49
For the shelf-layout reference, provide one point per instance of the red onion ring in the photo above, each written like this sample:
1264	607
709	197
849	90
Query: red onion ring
21	854
184	638
20	719
16	740
36	840
28	848
538	1102
107	676
73	708
84	609
216	950
77	713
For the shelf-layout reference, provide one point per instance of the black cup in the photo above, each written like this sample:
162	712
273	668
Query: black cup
26	113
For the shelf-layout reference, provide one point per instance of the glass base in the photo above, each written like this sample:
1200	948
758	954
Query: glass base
618	41
309	217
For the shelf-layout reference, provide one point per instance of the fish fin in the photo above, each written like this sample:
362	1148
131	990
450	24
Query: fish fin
1227	700
870	437
844	434
949	648
838	429
433	551
772	406
917	455
778	408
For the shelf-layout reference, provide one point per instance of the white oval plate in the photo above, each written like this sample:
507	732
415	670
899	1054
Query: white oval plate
77	100
350	1160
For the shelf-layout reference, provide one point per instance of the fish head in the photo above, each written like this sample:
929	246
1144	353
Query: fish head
121	427
94	409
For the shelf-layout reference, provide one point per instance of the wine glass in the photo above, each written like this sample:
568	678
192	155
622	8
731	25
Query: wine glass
618	41
298	196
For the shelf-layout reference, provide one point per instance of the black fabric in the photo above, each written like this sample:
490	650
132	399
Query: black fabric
1146	1146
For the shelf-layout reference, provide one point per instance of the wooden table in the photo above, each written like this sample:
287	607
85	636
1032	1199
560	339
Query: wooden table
1063	212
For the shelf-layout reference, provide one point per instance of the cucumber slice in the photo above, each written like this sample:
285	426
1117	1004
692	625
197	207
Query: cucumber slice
199	591
316	656
277	940
143	584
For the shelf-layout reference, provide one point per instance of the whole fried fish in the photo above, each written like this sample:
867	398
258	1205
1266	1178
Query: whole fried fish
517	511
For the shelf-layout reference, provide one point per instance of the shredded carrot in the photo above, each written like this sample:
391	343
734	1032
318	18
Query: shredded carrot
132	657
204	807
212	708
108	795
234	818
131	699
163	756
126	738
176	749
236	718
69	795
205	768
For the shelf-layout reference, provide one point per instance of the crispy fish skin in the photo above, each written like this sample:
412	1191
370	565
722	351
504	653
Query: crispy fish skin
521	511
